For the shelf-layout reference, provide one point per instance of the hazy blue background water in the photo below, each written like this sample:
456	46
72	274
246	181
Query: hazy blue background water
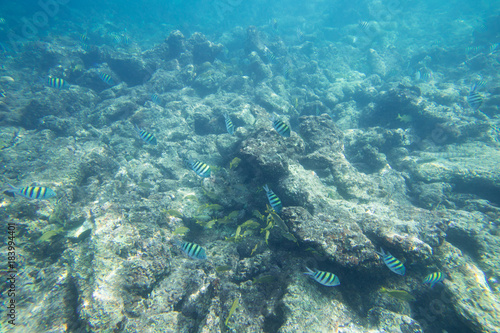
443	23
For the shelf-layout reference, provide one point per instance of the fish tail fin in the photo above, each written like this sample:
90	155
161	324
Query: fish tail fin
266	188
177	241
309	271
381	253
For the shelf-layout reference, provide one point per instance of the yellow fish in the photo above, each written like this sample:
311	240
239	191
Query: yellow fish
406	118
402	295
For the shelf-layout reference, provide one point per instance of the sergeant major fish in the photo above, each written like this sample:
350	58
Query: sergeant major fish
57	83
274	201
106	78
156	99
325	278
280	127
146	136
392	263
474	99
434	278
193	250
229	124
200	168
33	192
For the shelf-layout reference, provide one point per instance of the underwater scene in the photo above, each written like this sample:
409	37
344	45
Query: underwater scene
250	166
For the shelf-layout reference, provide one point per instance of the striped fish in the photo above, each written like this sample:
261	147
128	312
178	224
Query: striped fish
146	136
475	100
193	250
33	192
200	168
392	263
325	278
493	48
117	39
155	99
434	278
280	127
106	78
477	85
58	83
229	124
274	201
270	56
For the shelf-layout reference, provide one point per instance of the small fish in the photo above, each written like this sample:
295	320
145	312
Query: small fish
250	224
190	197
236	303
365	26
145	185
392	263
274	201
234	163
193	250
254	249
434	278
266	236
477	85
200	168
2	20
202	218
181	231
146	136
402	295
106	78
57	83
49	234
83	38
471	50
155	99
174	213
223	268
229	124
264	279
285	71
117	39
6	78
270	56
280	127
274	23
2	93
475	100
33	192
325	278
493	48
406	118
